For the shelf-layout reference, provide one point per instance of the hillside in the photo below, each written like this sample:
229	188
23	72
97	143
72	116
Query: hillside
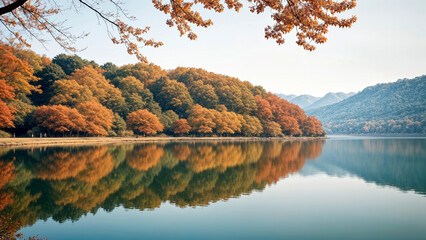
71	96
391	108
329	99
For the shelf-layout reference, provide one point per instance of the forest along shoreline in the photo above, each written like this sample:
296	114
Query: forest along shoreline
16	142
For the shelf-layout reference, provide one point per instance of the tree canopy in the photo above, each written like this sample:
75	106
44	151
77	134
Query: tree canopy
109	100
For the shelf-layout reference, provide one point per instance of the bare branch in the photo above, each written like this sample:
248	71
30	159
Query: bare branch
12	6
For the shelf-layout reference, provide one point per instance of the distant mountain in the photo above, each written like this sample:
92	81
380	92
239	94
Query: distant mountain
398	107
309	102
329	99
285	96
304	100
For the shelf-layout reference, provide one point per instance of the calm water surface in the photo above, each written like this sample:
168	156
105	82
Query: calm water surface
340	188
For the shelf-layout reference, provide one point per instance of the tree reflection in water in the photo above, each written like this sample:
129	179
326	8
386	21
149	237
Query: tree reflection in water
66	183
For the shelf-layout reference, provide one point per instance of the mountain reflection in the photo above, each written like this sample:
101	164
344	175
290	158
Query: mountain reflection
396	162
66	183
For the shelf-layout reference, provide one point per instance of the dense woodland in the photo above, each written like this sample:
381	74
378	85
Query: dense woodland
66	183
391	108
71	96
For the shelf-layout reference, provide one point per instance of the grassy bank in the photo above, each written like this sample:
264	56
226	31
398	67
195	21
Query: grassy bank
13	142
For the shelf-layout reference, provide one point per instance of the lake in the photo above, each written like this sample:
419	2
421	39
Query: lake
339	188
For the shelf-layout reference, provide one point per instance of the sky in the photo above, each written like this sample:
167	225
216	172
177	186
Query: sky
387	43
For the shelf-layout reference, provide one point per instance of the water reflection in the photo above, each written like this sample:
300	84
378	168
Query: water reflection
67	182
399	163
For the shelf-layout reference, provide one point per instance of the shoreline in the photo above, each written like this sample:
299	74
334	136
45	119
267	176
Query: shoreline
18	142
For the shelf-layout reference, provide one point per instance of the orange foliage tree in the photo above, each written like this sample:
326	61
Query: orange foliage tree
15	78
289	125
99	119
58	118
310	18
17	73
70	93
181	126
144	122
6	115
263	108
312	127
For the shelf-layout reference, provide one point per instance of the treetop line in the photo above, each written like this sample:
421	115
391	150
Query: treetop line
71	96
23	19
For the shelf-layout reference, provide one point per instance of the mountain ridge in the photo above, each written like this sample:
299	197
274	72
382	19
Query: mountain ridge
309	102
385	108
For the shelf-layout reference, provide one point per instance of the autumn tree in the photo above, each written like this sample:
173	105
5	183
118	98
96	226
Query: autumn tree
101	88
310	19
289	126
144	122
145	73
6	112
23	112
59	119
17	81
263	108
271	129
87	84
16	73
36	61
202	119
235	96
174	96
99	119
69	92
281	107
312	127
251	126
135	94
227	122
256	90
204	94
6	115
181	126
189	76
16	78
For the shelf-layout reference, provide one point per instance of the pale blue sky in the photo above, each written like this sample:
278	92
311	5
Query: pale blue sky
387	43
